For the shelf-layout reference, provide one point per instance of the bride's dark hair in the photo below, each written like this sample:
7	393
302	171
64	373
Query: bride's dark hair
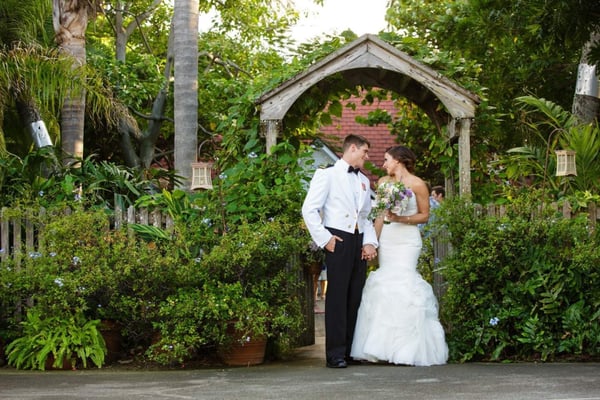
404	155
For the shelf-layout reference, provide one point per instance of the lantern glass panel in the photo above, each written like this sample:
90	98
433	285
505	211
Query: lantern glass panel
565	163
201	175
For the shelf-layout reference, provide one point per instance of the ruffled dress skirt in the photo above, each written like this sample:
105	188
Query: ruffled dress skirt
398	316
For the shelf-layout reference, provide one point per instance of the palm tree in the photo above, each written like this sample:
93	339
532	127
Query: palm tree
586	104
31	76
185	25
70	20
556	128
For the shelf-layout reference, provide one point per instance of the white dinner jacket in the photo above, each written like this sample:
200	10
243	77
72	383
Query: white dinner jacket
330	202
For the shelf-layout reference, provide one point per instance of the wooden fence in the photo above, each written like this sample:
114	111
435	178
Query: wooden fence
21	235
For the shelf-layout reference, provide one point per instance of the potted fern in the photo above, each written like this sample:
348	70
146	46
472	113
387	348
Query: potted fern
57	341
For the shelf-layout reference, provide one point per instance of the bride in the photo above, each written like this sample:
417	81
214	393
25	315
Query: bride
398	315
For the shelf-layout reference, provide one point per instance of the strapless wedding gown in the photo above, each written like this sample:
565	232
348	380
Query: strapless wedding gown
398	315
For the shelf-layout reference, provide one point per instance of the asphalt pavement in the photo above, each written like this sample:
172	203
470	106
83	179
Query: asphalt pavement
305	377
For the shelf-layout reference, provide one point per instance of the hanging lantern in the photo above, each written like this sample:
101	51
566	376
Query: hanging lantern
565	163
202	170
201	175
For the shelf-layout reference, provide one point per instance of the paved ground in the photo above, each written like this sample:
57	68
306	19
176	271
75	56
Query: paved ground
307	378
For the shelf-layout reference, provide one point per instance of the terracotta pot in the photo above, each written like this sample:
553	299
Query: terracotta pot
65	365
243	352
251	352
111	332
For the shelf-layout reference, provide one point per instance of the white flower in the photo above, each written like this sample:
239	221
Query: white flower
59	282
207	221
494	321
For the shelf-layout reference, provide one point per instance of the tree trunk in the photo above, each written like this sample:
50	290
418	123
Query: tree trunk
586	103
70	18
123	32
137	145
185	24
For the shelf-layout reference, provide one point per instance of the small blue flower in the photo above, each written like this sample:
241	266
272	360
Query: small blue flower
222	177
59	282
76	197
494	321
1	251
34	254
41	193
76	260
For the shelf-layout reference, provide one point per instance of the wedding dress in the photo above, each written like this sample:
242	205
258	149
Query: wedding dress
398	315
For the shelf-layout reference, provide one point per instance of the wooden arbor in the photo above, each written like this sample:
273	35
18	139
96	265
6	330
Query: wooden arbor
369	61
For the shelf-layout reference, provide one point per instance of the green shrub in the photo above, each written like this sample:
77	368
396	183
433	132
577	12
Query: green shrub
250	279
523	286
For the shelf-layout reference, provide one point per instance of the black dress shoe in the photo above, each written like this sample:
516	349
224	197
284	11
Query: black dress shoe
336	363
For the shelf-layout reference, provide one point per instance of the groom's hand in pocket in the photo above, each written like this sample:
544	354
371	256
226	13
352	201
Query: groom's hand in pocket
330	246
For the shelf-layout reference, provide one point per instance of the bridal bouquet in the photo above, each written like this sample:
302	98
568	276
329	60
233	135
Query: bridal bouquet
391	196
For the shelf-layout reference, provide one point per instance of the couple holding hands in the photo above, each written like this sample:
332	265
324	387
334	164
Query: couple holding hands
393	315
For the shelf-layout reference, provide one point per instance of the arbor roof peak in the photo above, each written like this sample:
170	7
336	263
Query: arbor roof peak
371	62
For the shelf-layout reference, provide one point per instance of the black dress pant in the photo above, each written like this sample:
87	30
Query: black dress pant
346	275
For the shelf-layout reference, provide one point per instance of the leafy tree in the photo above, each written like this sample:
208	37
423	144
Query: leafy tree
523	46
500	50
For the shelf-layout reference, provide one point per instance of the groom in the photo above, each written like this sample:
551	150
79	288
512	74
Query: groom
335	211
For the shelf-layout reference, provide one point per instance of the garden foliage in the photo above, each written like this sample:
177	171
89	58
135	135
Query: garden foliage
522	286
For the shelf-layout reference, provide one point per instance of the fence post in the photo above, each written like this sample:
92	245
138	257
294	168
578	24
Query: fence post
4	238
593	215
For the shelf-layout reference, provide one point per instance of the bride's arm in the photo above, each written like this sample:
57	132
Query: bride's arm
378	224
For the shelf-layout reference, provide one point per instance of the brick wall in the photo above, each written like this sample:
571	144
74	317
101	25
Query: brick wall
379	135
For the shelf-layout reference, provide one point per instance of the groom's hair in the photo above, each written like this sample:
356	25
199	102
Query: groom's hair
356	140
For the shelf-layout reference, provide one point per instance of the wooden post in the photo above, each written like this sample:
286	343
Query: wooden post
464	156
270	129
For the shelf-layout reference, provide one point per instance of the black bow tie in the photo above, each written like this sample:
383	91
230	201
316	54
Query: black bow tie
352	169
